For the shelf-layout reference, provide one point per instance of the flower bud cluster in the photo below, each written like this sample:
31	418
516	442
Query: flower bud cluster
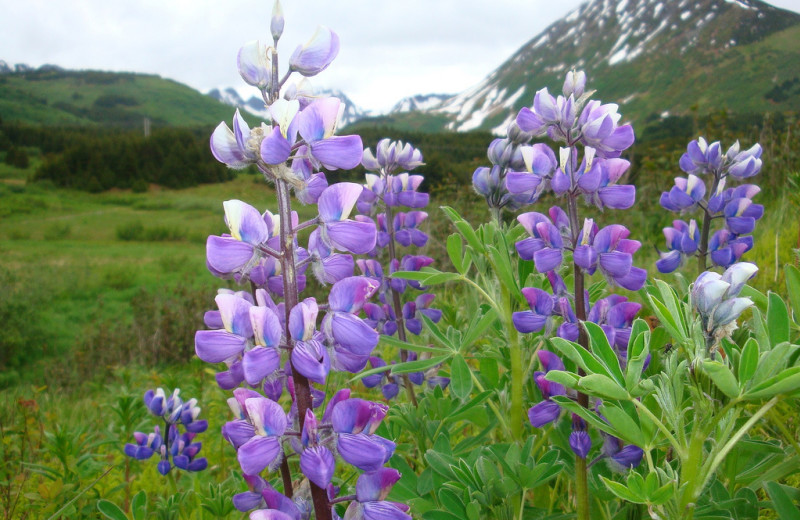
177	448
716	299
733	205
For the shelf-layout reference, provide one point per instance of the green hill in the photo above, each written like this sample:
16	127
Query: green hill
55	97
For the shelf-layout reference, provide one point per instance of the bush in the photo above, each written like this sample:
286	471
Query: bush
17	157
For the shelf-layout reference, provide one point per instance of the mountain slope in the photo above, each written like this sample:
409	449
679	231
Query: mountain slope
651	57
50	95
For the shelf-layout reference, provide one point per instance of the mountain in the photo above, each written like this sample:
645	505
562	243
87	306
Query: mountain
419	102
653	57
50	95
255	104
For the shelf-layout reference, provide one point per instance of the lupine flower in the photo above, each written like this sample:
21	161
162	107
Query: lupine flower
544	246
355	421
701	158
391	156
371	492
254	65
335	204
620	458
613	254
146	444
184	453
541	309
685	195
579	439
726	248
546	411
269	423
599	129
420	306
682	241
316	54
714	297
316	461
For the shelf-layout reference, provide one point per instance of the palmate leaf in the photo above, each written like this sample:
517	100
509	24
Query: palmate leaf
460	377
603	351
781	502
722	377
464	228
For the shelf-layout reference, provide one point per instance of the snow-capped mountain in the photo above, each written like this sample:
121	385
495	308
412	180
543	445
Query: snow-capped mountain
650	56
255	105
421	102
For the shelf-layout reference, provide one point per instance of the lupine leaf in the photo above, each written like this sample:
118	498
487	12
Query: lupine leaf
580	356
465	229
394	342
587	415
436	279
567	379
760	330
759	298
455	246
722	377
437	333
603	351
465	408
793	287
637	354
460	378
670	300
440	515
110	510
748	362
478	326
771	362
624	424
777	320
502	266
489	371
786	382
419	276
666	319
452	502
419	365
622	491
781	502
599	385
139	506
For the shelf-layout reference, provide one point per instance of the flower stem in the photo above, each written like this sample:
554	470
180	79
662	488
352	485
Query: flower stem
398	305
702	251
291	297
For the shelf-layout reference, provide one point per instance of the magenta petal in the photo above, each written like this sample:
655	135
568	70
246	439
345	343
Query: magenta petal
543	413
361	450
317	463
618	197
527	322
260	362
353	334
339	151
615	263
383	511
350	294
215	346
547	259
352	236
226	254
311	359
258	453
275	148
374	487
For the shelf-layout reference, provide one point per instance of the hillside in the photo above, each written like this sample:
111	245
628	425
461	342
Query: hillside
653	57
54	96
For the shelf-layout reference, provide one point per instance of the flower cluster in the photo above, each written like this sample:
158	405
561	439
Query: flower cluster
588	168
388	187
177	447
733	205
716	299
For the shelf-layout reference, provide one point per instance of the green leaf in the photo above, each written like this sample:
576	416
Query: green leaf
139	506
455	246
394	342
580	356
110	510
603	351
478	326
461	380
637	355
772	361
786	382
760	330
419	365
464	228
440	515
502	266
562	377
437	333
777	320
781	502
670	300
464	410
371	371
624	424
589	416
666	319
599	385
489	371
622	491
748	362
452	502
440	463
793	286
722	376
441	278
419	276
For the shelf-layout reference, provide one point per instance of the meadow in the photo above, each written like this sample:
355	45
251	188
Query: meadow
102	294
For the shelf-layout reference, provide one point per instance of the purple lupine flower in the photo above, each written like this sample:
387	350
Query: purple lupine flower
545	244
579	439
620	458
538	317
264	448
546	411
254	64
316	461
316	54
371	492
406	228
251	499
233	148
355	421
701	158
146	445
401	190
421	305
335	204
615	257
599	129
264	359
279	507
391	156
685	195
184	453
215	346
682	241
726	248
328	267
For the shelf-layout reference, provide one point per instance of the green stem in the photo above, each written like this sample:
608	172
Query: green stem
517	369
491	301
675	445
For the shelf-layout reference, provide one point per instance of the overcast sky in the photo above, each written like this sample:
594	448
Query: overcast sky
389	49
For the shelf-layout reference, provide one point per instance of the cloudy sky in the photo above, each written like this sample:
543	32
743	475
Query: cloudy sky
389	49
